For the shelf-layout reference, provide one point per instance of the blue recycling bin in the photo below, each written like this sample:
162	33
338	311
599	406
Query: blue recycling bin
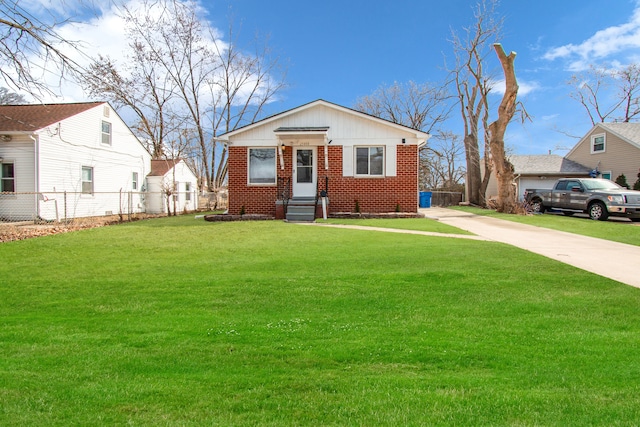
425	199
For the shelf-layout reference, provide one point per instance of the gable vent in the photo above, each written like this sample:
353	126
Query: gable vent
105	111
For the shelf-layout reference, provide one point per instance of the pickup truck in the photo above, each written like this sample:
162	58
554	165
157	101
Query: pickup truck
600	198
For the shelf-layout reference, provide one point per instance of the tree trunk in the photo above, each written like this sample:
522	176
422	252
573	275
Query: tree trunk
503	169
474	175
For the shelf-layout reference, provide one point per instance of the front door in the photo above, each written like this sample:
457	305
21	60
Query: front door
304	171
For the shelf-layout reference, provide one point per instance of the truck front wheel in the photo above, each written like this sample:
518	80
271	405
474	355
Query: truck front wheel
598	211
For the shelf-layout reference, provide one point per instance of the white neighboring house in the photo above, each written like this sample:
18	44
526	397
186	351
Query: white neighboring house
171	184
68	161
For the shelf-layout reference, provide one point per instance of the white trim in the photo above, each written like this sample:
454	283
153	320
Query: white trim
369	175
604	143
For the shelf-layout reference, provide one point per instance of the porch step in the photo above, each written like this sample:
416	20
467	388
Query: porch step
301	209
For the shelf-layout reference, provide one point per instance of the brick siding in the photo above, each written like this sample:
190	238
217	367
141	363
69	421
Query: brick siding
373	195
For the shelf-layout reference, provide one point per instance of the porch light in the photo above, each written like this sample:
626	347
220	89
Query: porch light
404	141
283	146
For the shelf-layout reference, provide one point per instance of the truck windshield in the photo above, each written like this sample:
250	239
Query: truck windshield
600	184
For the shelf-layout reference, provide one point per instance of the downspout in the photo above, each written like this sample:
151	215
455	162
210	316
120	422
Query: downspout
36	170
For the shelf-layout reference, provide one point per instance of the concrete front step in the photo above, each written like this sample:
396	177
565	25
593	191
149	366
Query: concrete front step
301	209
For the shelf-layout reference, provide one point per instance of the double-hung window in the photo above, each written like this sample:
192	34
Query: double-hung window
7	178
598	143
262	166
134	181
370	161
187	191
87	180
106	133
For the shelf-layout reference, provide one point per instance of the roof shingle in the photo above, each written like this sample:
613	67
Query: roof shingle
30	118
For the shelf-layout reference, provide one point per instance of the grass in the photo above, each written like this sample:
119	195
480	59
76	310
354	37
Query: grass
417	224
617	231
177	321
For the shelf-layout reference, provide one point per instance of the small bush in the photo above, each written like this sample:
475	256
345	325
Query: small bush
621	180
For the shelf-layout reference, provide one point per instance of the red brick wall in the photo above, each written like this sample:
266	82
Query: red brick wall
374	195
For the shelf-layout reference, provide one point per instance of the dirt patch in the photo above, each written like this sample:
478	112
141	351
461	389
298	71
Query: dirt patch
27	230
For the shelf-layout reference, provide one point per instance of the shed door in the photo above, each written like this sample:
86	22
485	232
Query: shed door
304	171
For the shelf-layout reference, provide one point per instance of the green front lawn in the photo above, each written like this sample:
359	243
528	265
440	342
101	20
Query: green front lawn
622	231
177	321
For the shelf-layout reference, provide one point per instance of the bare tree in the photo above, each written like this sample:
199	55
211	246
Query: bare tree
419	106
10	98
441	167
425	107
608	94
504	169
31	48
181	75
242	87
473	85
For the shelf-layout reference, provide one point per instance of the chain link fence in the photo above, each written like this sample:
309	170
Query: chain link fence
446	198
65	206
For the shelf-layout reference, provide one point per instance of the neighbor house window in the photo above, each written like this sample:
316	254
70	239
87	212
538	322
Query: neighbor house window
7	178
597	143
106	132
187	191
262	166
87	180
370	161
134	181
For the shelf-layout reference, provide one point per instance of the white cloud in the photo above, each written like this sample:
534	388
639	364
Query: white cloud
524	87
603	44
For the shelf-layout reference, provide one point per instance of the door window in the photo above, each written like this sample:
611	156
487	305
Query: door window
304	166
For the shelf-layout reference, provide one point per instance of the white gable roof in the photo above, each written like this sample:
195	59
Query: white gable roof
422	137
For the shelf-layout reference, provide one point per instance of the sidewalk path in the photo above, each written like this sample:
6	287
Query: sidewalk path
617	261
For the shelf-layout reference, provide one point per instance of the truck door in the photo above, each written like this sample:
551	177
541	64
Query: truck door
558	194
575	197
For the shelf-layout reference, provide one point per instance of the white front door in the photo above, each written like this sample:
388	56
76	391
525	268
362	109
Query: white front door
304	171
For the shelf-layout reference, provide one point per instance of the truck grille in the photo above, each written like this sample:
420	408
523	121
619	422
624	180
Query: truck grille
633	199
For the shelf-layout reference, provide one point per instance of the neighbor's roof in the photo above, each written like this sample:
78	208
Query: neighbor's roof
628	131
546	164
161	167
30	118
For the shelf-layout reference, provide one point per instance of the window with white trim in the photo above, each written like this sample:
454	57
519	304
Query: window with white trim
87	180
262	166
598	143
106	133
7	178
187	191
134	181
370	161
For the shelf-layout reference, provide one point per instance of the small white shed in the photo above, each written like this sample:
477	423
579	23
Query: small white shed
171	185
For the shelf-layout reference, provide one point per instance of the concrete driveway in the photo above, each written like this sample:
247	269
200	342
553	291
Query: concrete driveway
617	261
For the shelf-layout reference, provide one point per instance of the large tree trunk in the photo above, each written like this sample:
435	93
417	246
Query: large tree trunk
474	175
503	169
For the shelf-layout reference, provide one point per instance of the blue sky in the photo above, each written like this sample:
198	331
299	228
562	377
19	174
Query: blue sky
340	50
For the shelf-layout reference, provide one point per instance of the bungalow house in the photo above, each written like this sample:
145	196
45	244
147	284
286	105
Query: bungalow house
612	149
538	171
281	165
174	185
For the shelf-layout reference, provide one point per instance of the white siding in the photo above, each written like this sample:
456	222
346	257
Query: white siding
76	142
20	152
